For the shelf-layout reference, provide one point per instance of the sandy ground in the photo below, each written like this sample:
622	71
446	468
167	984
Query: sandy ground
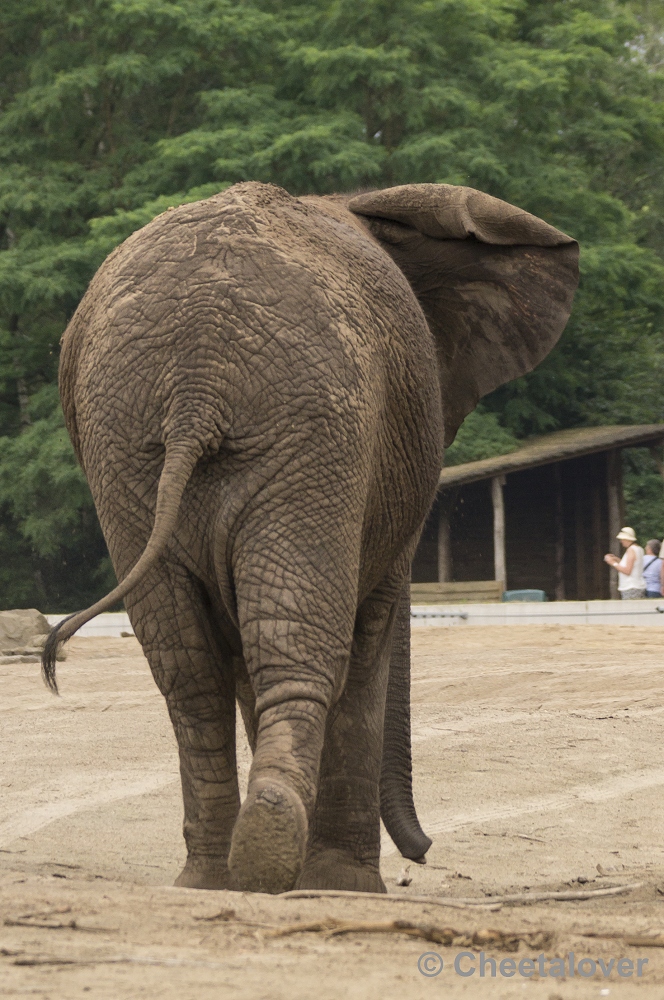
537	756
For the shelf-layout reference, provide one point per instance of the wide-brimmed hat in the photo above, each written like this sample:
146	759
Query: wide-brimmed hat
628	534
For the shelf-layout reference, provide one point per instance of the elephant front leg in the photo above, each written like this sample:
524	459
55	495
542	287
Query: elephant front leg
344	846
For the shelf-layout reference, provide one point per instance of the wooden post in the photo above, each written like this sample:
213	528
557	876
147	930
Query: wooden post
614	487
580	537
444	554
498	501
560	534
598	577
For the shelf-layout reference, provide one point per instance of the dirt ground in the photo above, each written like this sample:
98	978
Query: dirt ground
537	756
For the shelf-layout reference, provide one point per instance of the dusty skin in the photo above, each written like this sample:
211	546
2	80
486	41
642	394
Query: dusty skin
537	756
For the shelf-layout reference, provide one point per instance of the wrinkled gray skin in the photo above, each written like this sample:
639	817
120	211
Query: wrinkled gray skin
256	387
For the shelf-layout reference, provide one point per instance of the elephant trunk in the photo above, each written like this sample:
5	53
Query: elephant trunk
179	462
396	781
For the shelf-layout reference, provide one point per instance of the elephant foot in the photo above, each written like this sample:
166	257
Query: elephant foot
333	868
269	839
202	872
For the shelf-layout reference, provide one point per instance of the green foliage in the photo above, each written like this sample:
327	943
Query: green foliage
480	436
644	494
50	523
112	111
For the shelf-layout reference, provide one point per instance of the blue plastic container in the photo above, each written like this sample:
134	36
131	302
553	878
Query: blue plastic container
524	595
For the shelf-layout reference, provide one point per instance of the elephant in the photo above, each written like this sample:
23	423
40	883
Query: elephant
259	388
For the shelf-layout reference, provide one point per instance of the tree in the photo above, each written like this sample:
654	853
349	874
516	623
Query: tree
84	101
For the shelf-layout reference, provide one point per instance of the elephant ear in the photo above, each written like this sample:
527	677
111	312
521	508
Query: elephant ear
495	283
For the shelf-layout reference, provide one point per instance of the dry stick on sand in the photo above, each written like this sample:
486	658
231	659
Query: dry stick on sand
500	940
460	903
635	940
456	904
117	960
41	920
50	925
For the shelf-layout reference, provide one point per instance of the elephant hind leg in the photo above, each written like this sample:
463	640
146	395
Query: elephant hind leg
173	622
295	566
286	661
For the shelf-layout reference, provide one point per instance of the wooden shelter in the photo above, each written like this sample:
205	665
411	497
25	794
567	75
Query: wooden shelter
540	517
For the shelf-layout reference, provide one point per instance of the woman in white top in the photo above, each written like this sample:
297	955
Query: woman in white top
631	582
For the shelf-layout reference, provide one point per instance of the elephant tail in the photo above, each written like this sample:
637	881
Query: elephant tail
179	462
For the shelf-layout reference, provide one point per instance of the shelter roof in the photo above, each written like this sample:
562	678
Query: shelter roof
556	447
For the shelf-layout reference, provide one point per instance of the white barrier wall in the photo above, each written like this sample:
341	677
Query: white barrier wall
111	624
509	613
646	612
